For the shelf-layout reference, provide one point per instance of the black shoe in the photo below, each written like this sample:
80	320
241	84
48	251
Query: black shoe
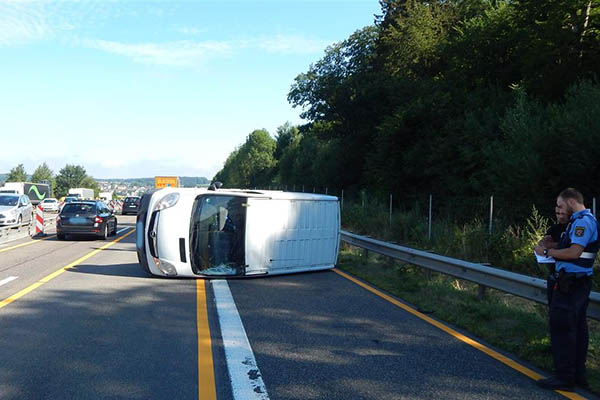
555	383
582	382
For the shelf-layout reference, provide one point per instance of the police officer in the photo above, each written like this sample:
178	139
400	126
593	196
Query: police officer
575	257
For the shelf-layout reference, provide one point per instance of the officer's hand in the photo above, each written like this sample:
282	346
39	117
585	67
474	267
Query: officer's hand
539	250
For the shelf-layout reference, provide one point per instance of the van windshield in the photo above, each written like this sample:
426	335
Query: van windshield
217	235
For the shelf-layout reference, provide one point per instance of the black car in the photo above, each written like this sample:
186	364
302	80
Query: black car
86	218
130	205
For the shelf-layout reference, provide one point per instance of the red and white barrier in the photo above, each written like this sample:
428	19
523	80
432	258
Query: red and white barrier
39	220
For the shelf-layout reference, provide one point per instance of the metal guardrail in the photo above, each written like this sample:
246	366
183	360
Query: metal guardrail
519	285
15	232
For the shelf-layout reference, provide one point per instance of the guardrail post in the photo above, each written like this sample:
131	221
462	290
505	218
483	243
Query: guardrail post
430	204
390	211
491	213
366	255
481	292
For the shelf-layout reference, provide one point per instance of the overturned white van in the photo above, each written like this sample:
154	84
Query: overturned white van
185	232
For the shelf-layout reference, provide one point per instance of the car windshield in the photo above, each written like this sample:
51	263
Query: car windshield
8	200
132	200
49	201
79	209
217	235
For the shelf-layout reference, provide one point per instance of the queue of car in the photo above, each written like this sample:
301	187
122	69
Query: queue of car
15	209
75	217
86	217
50	205
131	205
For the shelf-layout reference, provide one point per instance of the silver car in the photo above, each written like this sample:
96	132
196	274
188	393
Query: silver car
15	209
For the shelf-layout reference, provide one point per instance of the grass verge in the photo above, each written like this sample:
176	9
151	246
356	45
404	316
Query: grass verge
510	323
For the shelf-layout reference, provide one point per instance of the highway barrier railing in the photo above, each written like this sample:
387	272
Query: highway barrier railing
15	232
509	282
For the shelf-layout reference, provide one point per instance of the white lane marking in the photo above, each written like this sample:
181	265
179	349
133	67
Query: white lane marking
6	280
246	379
123	230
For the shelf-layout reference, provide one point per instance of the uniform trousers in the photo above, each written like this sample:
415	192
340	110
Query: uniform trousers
569	329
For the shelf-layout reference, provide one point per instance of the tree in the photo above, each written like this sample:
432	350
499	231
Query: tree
17	174
70	176
561	43
343	98
42	173
286	134
252	165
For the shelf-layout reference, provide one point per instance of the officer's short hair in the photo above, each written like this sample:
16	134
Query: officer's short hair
570	193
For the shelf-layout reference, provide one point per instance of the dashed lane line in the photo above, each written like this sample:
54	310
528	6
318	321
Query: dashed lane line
7	280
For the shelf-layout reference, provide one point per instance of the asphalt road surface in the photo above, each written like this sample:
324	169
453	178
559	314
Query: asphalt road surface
80	320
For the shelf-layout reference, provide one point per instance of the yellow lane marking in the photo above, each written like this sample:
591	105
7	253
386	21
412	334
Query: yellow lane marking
53	275
494	354
206	374
22	244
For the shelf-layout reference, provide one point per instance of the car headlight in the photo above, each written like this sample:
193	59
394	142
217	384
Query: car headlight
168	201
165	267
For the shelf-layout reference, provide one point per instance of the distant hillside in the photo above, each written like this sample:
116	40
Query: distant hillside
185	181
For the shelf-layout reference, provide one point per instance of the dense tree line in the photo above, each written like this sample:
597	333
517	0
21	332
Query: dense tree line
457	98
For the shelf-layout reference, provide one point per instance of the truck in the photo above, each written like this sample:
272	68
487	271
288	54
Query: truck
36	192
106	196
166	181
81	193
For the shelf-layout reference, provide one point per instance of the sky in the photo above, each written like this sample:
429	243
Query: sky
134	88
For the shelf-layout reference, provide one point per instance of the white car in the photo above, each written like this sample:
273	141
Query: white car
206	233
50	204
15	209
